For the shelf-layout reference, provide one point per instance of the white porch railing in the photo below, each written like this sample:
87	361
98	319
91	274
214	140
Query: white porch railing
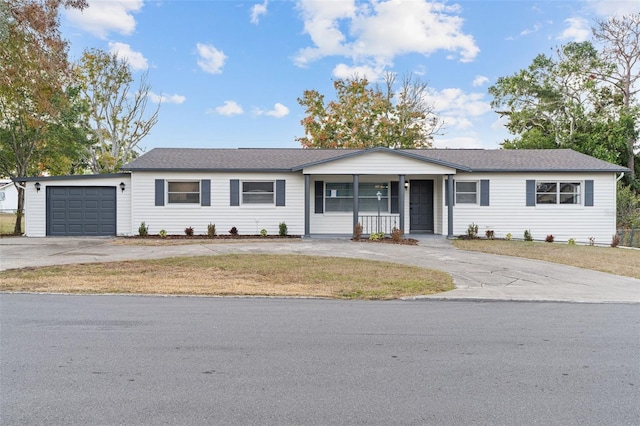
376	224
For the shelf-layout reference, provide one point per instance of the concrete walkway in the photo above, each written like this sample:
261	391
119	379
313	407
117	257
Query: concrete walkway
476	275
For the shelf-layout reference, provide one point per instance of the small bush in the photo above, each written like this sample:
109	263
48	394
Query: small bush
211	230
472	231
571	242
527	235
615	240
188	231
592	241
282	229
233	231
357	231
489	234
263	232
549	238
376	236
162	233
143	229
508	236
396	234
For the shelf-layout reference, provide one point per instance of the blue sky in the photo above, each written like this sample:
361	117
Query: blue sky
229	72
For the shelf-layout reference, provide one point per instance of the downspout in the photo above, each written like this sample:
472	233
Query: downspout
620	177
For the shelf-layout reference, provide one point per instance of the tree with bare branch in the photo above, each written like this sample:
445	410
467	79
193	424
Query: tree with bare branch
116	118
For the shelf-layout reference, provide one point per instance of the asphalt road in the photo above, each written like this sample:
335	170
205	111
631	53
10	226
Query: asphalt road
80	360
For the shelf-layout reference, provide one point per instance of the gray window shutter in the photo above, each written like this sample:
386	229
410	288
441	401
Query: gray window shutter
205	192
234	192
484	192
588	193
531	192
394	198
159	192
280	192
319	196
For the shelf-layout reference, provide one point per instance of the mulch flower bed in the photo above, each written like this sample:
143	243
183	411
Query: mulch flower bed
217	237
388	240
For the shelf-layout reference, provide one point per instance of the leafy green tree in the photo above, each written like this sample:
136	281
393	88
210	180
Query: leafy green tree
115	119
364	116
580	98
33	87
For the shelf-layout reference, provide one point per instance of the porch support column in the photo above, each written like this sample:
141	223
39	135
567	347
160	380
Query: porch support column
307	206
450	197
401	191
355	202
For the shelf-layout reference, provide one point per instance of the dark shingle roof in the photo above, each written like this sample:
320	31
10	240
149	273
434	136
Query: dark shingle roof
276	159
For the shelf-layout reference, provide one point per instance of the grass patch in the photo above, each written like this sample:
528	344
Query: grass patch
235	274
8	223
605	259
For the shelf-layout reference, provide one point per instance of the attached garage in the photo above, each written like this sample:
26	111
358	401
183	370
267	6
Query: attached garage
81	211
77	205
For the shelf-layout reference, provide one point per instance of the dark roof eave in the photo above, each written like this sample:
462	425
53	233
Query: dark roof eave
69	177
205	170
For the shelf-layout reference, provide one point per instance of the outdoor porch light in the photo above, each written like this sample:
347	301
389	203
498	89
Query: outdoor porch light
406	185
122	186
37	185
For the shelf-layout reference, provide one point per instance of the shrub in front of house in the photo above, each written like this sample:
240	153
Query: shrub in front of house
188	231
143	229
233	231
211	230
282	229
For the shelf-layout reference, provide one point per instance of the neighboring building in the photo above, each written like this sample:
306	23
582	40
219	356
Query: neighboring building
8	197
327	192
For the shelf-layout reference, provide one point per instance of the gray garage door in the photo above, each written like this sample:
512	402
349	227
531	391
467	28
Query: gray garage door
81	210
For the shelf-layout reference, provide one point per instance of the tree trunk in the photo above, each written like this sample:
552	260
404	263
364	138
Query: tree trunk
17	230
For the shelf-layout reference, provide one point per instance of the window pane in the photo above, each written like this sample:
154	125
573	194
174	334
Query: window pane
371	204
570	187
372	189
339	189
569	199
546	198
184	198
257	198
466	186
466	198
257	186
546	187
184	186
338	204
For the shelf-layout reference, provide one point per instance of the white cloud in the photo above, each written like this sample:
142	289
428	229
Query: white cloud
534	29
258	10
578	30
378	31
166	99
345	71
457	108
480	80
607	8
278	111
229	108
211	59
135	59
104	17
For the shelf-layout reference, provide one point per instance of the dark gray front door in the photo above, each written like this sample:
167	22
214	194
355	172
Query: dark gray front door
81	210
421	206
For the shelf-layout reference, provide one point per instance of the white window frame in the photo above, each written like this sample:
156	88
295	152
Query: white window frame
249	193
186	203
383	187
475	193
576	195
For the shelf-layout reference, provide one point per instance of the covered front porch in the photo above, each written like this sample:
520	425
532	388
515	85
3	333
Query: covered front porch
415	204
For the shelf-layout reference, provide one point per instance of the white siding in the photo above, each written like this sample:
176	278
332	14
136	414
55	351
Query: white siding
508	212
8	198
248	219
375	163
36	203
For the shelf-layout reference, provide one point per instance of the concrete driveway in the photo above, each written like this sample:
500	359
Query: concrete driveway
476	275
